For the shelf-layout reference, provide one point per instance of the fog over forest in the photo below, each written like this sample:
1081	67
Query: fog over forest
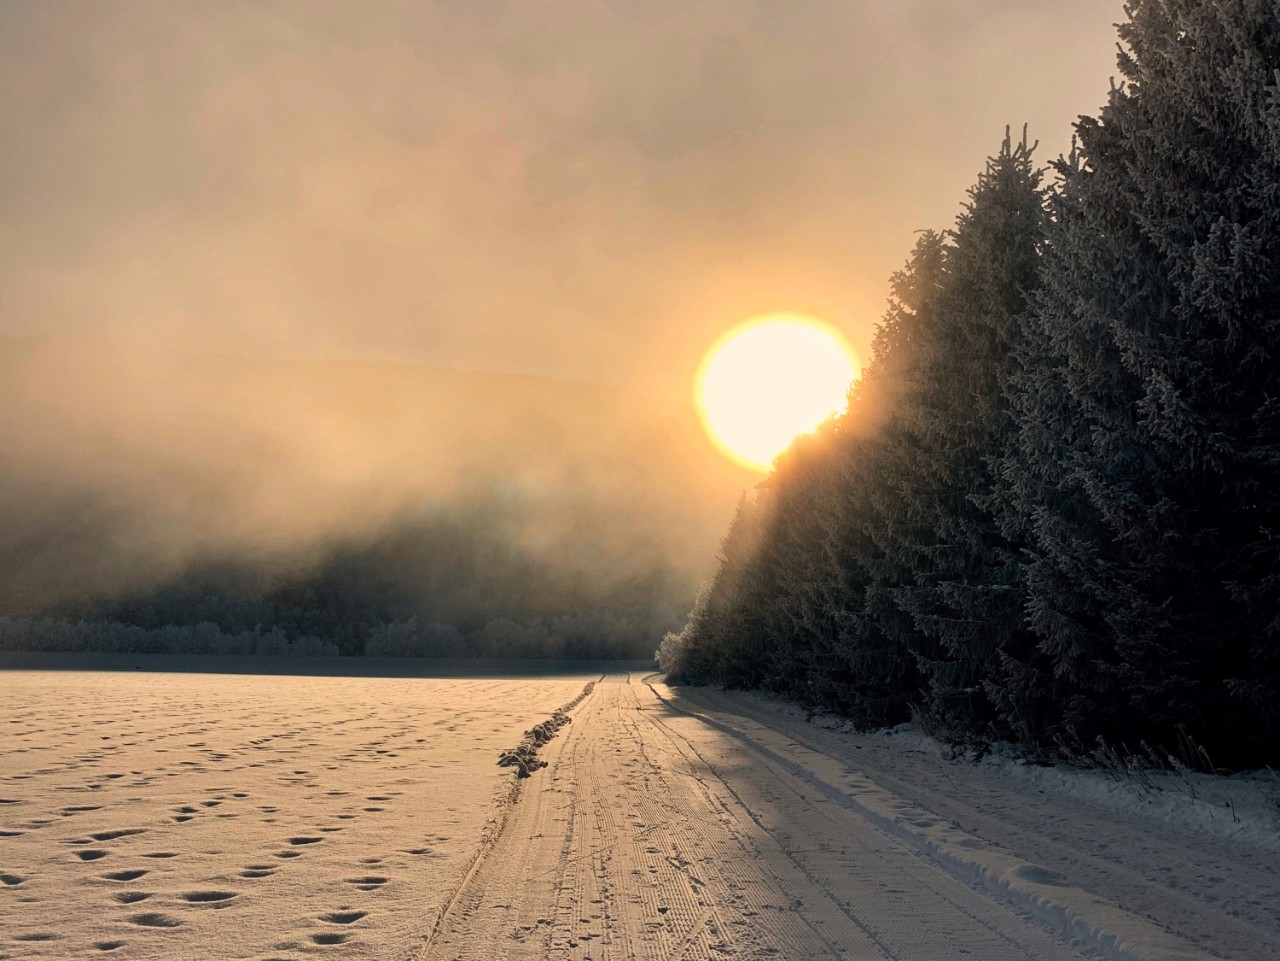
315	322
329	497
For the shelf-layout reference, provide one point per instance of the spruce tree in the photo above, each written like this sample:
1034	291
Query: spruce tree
865	539
721	641
1147	476
964	593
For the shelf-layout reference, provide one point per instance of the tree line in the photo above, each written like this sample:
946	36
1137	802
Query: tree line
445	584
1051	511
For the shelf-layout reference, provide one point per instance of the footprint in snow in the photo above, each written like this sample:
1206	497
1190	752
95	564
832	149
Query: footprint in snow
122	875
343	917
154	920
216	899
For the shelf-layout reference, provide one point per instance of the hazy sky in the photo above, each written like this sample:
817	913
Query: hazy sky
579	188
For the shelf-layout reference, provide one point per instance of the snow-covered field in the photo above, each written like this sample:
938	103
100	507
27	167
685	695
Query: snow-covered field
154	815
171	816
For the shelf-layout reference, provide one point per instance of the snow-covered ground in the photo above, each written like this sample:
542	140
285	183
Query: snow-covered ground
172	816
151	815
1157	867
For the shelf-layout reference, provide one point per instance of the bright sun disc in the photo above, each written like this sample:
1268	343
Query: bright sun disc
767	381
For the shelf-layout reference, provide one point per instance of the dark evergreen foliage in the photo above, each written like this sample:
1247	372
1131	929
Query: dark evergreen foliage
1052	510
1149	427
960	582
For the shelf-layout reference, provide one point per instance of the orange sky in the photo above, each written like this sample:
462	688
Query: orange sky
582	189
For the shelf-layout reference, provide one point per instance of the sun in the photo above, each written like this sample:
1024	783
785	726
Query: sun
767	381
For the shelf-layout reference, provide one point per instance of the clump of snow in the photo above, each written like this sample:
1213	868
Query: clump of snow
524	757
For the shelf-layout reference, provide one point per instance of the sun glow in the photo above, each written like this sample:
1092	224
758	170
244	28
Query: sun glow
768	380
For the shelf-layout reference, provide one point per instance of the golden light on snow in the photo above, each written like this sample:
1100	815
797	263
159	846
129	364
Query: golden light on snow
769	380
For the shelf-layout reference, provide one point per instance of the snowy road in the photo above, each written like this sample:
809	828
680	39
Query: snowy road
674	826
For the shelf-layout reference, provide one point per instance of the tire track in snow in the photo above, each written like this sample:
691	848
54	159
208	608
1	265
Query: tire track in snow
972	928
652	836
1076	915
487	843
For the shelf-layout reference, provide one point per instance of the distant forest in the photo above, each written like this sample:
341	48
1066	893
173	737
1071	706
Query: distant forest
443	586
1051	513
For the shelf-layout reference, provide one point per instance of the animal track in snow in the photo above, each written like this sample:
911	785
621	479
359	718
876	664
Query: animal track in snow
154	920
156	756
343	917
208	897
123	875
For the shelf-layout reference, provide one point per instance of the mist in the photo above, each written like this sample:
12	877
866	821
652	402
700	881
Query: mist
285	284
395	491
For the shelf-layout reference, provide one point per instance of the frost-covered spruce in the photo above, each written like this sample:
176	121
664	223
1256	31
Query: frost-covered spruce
1147	476
960	584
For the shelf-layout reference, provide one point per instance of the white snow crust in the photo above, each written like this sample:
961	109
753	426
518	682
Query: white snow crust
174	816
179	816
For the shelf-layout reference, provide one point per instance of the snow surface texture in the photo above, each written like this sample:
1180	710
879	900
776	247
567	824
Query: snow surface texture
1136	872
1243	808
195	816
176	816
